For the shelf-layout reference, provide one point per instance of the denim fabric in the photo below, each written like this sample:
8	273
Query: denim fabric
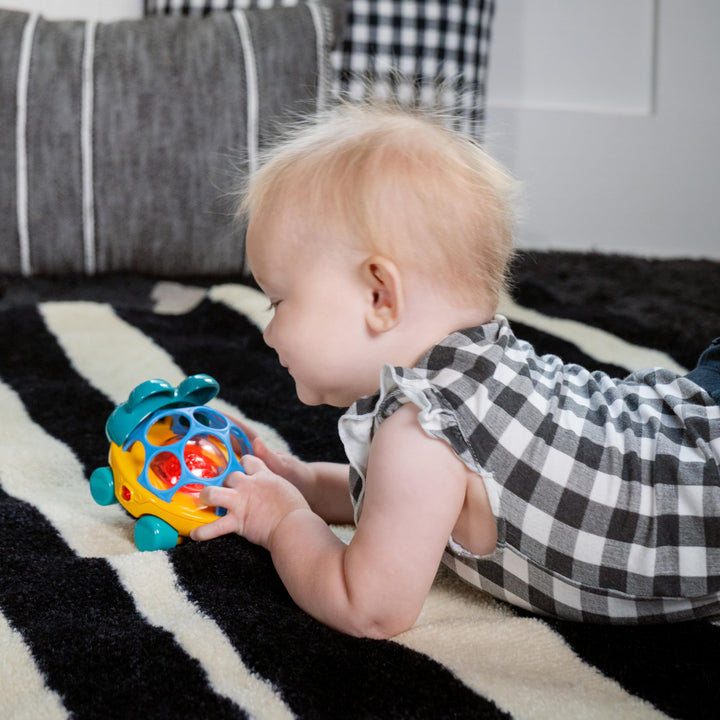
707	372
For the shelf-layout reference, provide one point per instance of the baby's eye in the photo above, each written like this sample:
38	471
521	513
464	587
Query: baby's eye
273	304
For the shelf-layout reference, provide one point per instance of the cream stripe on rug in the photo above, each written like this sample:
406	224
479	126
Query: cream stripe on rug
22	686
114	356
599	344
246	300
520	664
173	298
146	576
42	471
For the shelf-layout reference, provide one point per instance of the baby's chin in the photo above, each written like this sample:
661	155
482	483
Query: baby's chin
310	396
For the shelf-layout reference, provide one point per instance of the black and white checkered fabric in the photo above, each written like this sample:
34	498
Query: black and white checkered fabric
428	53
606	492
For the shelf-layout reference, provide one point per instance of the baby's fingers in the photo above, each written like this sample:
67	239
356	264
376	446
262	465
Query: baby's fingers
252	464
216	528
216	496
225	498
262	451
281	463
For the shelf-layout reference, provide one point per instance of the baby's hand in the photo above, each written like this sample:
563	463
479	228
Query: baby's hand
299	473
256	502
287	466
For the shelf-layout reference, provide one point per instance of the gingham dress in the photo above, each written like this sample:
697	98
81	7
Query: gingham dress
606	492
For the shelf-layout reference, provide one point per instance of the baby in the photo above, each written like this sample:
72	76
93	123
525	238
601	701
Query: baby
382	241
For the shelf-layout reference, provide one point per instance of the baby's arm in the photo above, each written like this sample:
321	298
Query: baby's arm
377	584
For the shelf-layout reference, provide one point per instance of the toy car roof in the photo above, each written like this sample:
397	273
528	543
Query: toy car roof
156	394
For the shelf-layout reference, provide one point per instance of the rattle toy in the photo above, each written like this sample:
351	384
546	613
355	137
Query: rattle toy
165	446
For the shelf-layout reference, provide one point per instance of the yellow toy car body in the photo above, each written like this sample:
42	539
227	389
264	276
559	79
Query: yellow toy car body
163	451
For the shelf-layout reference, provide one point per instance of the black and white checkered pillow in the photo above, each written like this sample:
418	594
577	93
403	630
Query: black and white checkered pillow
422	52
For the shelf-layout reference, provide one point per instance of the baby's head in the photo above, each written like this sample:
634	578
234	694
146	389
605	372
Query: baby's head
401	185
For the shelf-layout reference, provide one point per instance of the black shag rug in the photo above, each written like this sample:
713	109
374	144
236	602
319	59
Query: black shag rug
91	628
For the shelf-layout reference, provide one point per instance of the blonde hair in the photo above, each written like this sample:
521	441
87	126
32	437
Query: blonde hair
402	185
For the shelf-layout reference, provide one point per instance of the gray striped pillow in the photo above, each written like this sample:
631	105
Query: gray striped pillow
121	143
420	52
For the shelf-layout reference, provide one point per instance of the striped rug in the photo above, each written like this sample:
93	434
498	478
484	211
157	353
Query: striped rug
90	628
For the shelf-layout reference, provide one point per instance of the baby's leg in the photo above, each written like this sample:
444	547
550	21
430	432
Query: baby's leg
707	372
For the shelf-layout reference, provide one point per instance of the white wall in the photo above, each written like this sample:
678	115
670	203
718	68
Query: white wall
66	9
627	161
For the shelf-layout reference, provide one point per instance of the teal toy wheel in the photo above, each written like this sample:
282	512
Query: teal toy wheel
152	533
102	486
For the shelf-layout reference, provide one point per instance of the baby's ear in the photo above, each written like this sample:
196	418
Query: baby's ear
385	293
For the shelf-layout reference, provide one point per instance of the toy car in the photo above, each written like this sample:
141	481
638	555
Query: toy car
165	446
